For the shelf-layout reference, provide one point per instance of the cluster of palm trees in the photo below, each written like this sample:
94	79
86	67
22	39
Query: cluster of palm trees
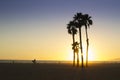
79	20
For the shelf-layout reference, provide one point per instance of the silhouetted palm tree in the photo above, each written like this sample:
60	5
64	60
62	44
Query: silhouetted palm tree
72	30
87	22
78	19
76	48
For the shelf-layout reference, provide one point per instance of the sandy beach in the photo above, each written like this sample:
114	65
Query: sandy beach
17	71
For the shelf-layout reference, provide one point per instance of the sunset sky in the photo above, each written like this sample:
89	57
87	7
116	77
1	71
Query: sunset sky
36	29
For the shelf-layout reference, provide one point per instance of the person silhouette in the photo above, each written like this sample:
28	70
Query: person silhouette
34	61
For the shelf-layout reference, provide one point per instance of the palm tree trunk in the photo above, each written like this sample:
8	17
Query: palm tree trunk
73	36
77	59
81	46
87	41
87	55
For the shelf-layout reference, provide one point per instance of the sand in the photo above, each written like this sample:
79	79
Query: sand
17	71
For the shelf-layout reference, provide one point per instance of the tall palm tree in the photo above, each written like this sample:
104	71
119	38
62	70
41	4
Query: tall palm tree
78	19
72	30
87	22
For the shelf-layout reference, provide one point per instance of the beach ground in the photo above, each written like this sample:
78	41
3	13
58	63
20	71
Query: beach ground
42	71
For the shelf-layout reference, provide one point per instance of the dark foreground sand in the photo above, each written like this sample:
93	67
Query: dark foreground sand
109	71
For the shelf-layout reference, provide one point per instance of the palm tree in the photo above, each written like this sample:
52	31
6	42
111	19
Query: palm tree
72	30
76	48
78	19
87	22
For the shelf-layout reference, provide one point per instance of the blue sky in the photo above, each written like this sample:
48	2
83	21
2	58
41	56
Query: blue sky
40	23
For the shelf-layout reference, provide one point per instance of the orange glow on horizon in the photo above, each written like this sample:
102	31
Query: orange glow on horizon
91	55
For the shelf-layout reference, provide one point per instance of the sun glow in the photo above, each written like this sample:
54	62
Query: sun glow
91	55
70	55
